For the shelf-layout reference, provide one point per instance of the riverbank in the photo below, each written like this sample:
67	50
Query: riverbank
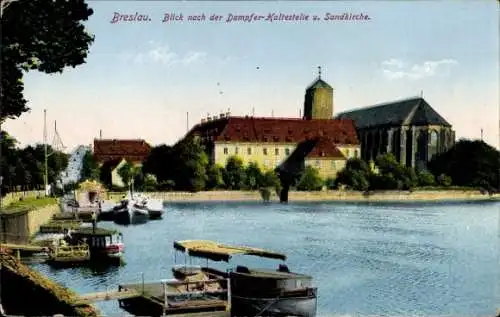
324	196
36	295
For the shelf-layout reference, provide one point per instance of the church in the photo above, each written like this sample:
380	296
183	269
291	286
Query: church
410	129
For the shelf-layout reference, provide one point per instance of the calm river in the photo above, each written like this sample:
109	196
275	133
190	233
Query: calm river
385	259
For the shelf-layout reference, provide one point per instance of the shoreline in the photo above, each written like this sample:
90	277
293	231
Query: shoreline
418	196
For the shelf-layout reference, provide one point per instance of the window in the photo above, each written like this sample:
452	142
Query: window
317	163
264	150
249	151
287	152
236	150
277	151
334	165
266	163
226	151
348	153
356	153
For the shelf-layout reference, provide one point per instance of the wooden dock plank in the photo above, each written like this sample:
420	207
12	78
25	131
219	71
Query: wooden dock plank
22	247
108	295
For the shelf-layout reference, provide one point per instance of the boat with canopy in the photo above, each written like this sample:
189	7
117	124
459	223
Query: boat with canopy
251	292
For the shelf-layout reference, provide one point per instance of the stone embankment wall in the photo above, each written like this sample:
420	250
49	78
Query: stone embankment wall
14	196
18	227
327	195
28	293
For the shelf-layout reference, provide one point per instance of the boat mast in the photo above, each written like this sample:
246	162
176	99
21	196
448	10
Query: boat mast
46	175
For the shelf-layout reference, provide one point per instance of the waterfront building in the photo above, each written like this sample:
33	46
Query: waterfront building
114	153
410	129
316	139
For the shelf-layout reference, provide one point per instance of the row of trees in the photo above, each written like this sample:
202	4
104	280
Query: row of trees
472	164
186	167
24	168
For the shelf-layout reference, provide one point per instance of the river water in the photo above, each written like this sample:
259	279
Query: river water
366	259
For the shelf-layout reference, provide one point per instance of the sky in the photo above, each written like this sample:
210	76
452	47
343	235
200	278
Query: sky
154	80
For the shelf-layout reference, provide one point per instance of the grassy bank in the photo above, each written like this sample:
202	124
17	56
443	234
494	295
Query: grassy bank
420	195
35	294
29	203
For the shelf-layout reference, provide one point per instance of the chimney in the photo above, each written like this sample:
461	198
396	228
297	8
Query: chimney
100	134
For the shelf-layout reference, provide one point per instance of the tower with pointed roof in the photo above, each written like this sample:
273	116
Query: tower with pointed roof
318	101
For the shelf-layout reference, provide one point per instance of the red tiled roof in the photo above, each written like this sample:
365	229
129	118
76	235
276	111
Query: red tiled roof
252	129
325	148
131	150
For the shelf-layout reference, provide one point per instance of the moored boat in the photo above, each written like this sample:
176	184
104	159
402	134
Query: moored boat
103	244
253	292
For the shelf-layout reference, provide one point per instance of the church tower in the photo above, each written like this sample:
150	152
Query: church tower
318	103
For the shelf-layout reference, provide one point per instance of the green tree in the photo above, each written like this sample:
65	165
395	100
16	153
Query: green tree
215	177
160	163
150	182
190	163
253	176
355	175
444	180
469	163
426	178
234	173
353	179
310	180
126	172
90	167
49	37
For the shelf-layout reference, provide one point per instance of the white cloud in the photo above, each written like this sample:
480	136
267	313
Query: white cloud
163	55
398	69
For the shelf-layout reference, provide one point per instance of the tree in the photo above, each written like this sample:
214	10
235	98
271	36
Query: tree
215	177
426	178
310	180
444	180
90	167
253	176
126	172
469	163
49	37
354	175
160	163
190	163
234	173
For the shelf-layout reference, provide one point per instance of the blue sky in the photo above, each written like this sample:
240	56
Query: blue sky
141	78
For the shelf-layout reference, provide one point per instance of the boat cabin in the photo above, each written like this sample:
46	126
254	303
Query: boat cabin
98	239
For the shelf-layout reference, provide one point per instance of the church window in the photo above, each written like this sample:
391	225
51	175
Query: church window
249	151
226	151
236	150
277	151
287	152
264	151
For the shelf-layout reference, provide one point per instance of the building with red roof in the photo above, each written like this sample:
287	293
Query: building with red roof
114	153
270	141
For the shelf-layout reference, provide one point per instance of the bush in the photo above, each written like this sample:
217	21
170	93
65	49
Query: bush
444	180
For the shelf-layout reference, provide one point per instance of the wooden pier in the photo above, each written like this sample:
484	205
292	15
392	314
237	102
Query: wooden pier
180	299
108	295
19	249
